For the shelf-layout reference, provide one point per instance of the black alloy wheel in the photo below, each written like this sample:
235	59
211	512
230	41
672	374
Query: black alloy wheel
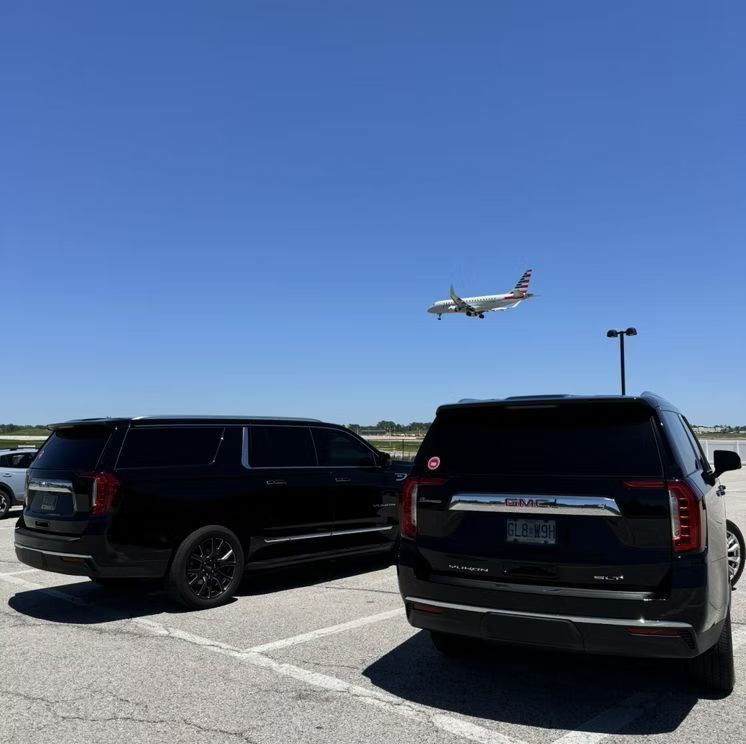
207	568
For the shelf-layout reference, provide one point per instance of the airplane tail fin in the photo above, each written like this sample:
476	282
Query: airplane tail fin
522	287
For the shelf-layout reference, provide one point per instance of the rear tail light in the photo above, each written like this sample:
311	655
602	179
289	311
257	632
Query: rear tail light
687	514
26	496
105	489
686	518
408	504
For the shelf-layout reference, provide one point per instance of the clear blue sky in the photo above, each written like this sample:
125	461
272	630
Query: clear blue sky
246	207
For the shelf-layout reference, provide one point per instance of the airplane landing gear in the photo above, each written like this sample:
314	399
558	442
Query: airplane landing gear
481	315
439	317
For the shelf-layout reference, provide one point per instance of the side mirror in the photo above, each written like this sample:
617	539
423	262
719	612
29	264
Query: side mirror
725	460
384	460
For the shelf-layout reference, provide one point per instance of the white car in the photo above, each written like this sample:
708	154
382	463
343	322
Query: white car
13	464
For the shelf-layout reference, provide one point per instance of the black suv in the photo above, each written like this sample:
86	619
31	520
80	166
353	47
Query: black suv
578	523
199	499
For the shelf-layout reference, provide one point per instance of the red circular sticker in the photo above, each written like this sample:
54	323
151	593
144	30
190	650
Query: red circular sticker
433	463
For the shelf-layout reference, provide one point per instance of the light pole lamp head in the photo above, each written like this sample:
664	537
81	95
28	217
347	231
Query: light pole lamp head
612	334
631	331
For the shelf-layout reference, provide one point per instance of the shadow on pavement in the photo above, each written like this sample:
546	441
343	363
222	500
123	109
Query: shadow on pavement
532	687
85	602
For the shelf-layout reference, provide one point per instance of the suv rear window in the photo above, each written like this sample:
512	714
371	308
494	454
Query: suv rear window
162	447
581	439
77	448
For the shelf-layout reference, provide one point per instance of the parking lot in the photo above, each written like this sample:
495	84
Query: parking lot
322	654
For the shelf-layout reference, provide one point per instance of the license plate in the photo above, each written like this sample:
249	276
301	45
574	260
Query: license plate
49	502
532	531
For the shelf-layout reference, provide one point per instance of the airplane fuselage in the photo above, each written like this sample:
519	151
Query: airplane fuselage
483	304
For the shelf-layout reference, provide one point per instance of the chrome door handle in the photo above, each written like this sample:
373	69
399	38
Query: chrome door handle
276	483
342	480
721	491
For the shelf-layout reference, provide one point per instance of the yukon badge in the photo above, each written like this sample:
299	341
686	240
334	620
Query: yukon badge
470	569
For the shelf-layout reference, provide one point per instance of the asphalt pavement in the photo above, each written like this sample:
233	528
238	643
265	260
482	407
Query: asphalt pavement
321	654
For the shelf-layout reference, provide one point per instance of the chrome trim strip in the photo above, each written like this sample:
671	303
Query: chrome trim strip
52	552
53	486
364	529
552	591
627	622
293	538
335	533
534	503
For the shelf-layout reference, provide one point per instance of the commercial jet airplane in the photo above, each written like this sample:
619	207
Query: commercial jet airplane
477	306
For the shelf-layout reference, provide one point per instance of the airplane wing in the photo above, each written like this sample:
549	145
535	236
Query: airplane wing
460	304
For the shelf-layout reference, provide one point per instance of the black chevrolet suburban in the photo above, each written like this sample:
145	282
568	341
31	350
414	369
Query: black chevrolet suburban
579	523
197	500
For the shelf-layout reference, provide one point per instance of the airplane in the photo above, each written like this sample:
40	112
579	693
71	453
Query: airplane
476	307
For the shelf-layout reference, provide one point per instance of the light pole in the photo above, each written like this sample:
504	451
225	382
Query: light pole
622	334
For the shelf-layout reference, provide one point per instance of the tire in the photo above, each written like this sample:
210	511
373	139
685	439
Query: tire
736	552
714	668
207	568
452	645
5	501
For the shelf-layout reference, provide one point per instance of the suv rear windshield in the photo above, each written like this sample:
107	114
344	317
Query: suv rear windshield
580	439
77	448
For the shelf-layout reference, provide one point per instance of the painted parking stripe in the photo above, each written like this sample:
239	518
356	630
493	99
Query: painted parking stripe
614	720
51	591
391	704
331	630
22	571
610	722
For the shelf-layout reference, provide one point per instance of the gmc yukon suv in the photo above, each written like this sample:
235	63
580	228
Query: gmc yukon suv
578	523
197	500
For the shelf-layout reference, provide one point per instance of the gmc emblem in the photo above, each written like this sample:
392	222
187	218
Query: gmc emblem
540	503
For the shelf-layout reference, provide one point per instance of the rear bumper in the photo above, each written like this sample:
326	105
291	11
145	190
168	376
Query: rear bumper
487	615
87	556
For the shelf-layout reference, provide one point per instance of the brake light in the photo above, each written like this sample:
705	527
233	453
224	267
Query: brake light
687	514
105	489
687	523
408	504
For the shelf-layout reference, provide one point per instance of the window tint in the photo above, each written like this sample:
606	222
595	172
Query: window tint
705	463
680	441
576	439
337	448
281	446
17	459
78	448
158	447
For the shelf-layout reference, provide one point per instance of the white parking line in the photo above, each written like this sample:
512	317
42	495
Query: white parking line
23	571
608	723
389	703
612	721
331	630
51	591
